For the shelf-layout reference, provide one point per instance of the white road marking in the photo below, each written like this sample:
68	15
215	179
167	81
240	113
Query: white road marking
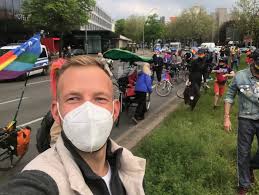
38	82
31	122
10	101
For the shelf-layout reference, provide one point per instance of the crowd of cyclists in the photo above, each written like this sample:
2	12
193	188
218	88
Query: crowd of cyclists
198	63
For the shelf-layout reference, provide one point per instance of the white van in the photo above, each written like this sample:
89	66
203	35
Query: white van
208	45
175	46
40	66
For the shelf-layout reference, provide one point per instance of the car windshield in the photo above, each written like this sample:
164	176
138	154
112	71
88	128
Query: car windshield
4	51
43	53
175	46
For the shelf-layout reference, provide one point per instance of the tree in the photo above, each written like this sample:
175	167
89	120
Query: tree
192	24
245	15
154	29
120	26
134	27
59	15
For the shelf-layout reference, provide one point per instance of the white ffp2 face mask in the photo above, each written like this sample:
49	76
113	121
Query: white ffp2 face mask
88	126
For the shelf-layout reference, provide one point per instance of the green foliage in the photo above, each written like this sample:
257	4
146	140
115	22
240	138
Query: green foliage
190	154
154	29
120	26
134	26
192	24
245	15
58	15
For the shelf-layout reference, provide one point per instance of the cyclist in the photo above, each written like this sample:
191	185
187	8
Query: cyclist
197	68
158	66
167	59
176	62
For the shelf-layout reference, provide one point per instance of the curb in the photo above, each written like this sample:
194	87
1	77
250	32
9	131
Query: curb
134	135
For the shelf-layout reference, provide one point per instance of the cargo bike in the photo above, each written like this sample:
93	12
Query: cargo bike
129	63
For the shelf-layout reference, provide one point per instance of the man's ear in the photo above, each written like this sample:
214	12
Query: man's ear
116	109
54	111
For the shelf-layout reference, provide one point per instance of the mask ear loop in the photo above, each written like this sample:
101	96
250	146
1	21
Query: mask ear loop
112	108
59	113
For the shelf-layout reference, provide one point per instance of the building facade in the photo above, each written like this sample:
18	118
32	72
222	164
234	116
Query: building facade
99	32
222	16
10	8
11	26
99	20
94	37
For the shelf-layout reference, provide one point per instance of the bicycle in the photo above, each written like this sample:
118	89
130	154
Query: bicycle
184	71
164	87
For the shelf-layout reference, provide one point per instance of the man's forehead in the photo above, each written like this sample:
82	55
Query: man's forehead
83	77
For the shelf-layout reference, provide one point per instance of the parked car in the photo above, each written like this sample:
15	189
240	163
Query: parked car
217	48
208	46
243	49
175	46
252	48
77	52
40	66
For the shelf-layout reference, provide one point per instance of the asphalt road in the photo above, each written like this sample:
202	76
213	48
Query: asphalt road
36	103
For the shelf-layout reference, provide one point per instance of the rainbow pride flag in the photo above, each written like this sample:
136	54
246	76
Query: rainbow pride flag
20	60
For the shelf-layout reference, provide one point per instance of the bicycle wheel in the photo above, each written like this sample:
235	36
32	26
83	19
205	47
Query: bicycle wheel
163	88
184	75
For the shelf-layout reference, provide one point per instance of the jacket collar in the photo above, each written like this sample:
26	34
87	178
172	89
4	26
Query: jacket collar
131	170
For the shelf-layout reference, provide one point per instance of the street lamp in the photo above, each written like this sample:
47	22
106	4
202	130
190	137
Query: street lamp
143	44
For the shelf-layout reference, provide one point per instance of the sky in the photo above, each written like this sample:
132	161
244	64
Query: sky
123	8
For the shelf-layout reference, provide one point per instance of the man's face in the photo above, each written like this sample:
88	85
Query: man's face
80	84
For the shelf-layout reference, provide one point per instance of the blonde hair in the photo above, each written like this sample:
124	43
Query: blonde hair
146	69
81	60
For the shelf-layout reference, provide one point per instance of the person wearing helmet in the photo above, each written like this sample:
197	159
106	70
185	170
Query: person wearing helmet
246	85
223	71
157	66
195	79
197	67
167	59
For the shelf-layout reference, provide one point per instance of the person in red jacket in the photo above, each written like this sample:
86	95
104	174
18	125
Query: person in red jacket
223	71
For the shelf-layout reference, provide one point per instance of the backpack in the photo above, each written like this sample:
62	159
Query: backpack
23	140
43	133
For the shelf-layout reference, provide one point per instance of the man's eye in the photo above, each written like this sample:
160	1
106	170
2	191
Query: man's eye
101	100
72	99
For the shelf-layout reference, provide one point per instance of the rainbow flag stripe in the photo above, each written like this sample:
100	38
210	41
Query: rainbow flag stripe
20	60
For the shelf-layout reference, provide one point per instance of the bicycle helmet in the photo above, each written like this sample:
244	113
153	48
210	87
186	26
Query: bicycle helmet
201	53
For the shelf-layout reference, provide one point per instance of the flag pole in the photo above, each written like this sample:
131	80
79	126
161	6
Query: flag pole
20	101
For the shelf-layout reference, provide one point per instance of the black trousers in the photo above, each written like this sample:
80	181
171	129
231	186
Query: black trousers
158	70
141	101
247	130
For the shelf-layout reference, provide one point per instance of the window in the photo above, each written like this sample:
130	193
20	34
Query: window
4	51
43	53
